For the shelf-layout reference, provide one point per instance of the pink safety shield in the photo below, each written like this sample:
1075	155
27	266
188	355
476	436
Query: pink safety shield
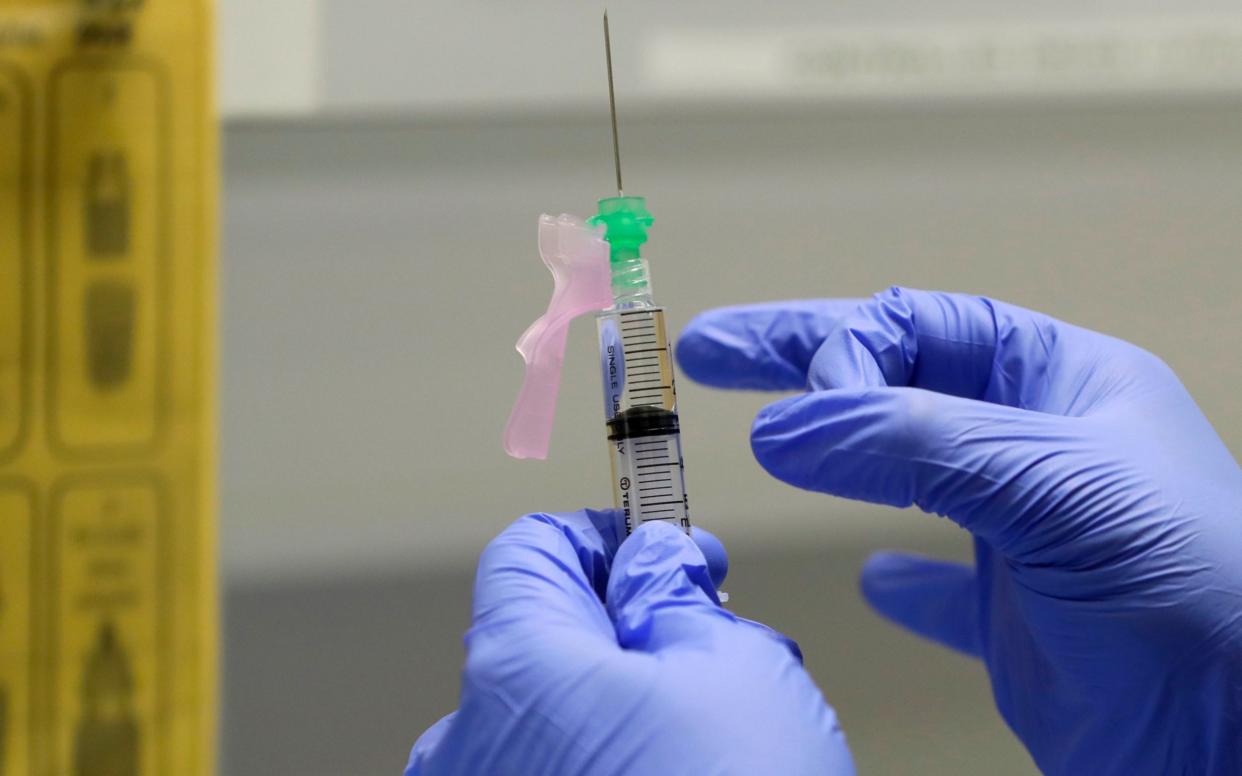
577	255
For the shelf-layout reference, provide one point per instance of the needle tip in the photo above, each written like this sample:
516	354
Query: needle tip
612	104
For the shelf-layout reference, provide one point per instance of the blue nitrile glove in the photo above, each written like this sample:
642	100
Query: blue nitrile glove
662	680
1106	596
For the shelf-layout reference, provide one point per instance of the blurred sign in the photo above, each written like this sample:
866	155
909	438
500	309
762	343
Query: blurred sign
948	61
107	343
107	236
109	618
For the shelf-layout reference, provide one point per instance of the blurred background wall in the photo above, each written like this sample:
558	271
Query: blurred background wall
384	164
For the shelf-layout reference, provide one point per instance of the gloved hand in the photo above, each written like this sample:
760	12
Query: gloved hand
1106	595
661	680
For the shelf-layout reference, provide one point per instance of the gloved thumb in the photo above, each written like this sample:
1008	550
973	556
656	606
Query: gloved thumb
426	745
935	599
984	465
660	592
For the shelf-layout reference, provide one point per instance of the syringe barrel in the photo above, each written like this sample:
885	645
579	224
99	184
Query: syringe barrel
640	413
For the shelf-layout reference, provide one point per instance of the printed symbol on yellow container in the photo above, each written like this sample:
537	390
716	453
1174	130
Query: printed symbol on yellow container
106	203
109	316
106	740
108	641
107	234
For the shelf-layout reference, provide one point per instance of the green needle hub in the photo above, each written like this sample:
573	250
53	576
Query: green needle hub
626	221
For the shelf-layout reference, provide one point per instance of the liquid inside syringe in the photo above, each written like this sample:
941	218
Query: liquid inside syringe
641	410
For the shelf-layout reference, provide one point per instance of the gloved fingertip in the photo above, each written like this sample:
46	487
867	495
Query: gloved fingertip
775	635
695	353
659	588
936	599
714	553
774	412
610	524
898	584
728	348
544	564
426	744
774	432
770	429
654	555
883	573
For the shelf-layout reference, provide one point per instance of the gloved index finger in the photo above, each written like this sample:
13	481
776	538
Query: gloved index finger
765	346
661	592
544	577
662	595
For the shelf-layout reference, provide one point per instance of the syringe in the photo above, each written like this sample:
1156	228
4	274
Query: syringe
640	398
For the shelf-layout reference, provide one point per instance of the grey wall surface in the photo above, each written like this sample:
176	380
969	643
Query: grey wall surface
392	55
376	276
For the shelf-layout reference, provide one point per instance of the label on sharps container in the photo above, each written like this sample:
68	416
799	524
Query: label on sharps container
107	377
